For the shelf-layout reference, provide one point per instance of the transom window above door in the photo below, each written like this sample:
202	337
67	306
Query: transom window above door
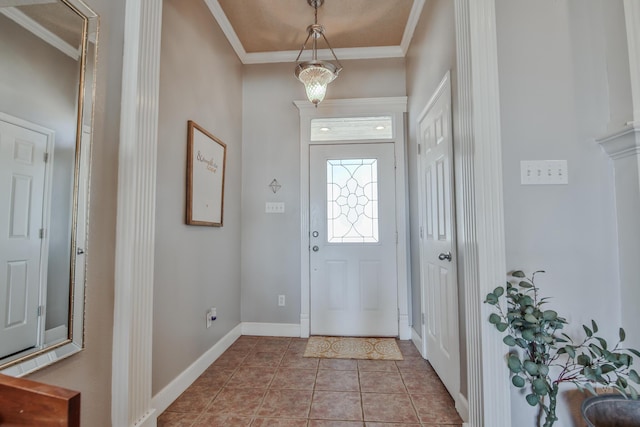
351	128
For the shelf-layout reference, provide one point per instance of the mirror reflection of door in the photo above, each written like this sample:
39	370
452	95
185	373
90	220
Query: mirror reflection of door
24	211
41	64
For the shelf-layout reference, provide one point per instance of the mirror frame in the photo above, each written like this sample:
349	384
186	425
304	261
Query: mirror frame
74	343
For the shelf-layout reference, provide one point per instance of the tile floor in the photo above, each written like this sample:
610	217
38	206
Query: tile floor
265	382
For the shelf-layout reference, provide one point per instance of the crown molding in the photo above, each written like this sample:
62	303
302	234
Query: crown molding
227	28
39	31
623	143
325	54
412	22
376	52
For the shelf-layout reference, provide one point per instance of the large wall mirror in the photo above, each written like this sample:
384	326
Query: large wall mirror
47	64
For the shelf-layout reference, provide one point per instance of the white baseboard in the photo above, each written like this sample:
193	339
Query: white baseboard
271	329
417	340
462	406
175	388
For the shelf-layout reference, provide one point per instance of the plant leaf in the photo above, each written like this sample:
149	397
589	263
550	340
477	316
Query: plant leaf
514	364
518	273
588	331
635	352
518	381
549	315
583	360
498	291
509	340
491	299
540	387
532	399
622	334
530	367
633	376
494	319
525	285
502	327
594	326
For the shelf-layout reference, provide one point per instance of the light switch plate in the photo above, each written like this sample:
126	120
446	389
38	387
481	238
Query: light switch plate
274	207
544	172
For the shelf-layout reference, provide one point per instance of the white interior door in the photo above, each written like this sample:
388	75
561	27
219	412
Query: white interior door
353	276
440	334
22	184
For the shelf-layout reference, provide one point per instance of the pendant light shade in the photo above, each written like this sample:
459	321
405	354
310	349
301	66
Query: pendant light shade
316	74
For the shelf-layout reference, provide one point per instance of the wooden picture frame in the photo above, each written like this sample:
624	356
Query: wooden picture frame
206	164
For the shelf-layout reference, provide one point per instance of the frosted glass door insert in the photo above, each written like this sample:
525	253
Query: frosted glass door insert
352	201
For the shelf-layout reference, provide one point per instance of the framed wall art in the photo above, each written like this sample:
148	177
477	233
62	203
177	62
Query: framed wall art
206	162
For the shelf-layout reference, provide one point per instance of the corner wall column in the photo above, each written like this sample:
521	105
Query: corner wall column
623	147
480	216
135	229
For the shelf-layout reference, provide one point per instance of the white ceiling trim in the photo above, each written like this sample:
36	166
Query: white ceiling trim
343	53
38	30
227	28
412	22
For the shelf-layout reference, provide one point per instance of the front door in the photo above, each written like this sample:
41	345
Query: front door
440	333
354	289
22	182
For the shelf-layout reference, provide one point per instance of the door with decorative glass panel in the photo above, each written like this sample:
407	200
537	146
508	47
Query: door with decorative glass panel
353	240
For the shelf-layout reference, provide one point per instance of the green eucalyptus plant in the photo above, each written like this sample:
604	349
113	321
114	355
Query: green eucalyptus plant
542	357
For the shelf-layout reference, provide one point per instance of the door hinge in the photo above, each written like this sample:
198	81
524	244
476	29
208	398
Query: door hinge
421	232
41	233
46	157
40	310
419	149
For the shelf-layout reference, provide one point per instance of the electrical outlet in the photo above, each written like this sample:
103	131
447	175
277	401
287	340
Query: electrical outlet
211	316
281	301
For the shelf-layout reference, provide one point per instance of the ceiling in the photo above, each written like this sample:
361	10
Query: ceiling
263	31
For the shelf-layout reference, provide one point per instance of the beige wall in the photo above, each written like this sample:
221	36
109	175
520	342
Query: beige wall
196	267
431	55
555	97
271	140
90	371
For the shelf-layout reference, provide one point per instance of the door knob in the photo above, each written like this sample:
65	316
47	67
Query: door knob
315	249
315	234
444	256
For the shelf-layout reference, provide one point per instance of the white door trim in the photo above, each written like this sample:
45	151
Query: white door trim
396	107
131	403
480	220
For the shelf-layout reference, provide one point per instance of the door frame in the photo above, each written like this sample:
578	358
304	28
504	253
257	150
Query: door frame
395	107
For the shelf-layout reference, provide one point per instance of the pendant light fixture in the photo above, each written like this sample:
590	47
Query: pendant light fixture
316	74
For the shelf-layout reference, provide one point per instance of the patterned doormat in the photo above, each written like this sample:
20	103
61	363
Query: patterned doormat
353	348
